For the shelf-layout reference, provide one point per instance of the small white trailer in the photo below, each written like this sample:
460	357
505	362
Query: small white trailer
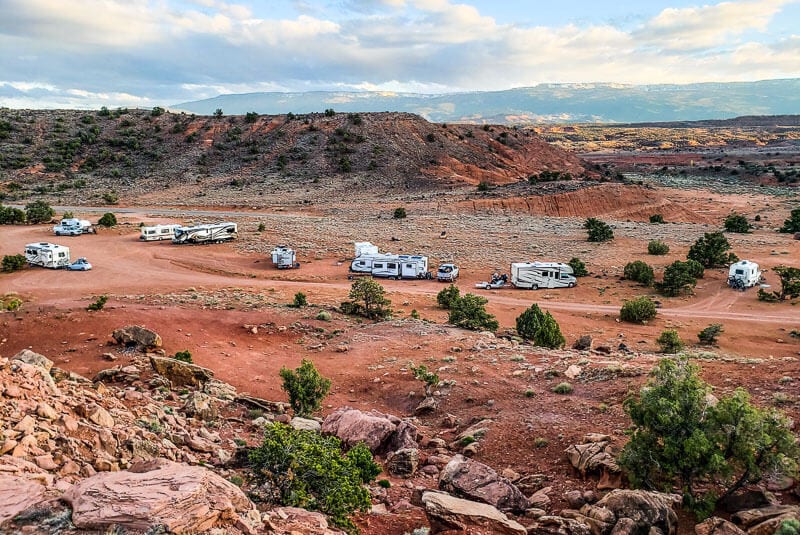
47	255
158	232
743	274
284	258
73	227
535	275
209	233
365	248
402	267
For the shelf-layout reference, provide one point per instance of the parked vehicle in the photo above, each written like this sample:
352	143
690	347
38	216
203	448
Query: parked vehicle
402	267
364	263
743	274
535	275
80	264
209	233
498	281
447	273
73	227
158	232
48	255
284	258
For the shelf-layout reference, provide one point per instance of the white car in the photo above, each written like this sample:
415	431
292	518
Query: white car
80	264
447	273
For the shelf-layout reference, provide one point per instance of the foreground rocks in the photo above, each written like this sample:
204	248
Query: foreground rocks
479	482
381	433
447	512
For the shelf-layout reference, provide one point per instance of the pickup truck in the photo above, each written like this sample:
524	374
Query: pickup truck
447	273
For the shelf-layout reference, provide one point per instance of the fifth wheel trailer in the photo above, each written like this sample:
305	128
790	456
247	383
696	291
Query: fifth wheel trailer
535	275
47	255
210	233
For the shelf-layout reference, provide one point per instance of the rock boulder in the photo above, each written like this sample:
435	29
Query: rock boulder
476	481
137	336
447	512
29	357
180	373
381	433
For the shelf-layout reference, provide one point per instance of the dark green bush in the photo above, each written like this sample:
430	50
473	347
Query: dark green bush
446	297
639	310
299	300
578	267
598	231
306	469
678	279
793	223
38	212
108	220
184	356
640	272
368	299
13	262
669	341
737	223
306	388
709	335
98	304
469	312
657	247
110	197
540	327
656	218
11	216
399	213
483	186
712	250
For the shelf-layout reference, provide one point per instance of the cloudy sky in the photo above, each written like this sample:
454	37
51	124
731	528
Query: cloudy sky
142	53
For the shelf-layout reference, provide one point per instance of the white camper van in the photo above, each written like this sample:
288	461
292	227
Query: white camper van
210	233
158	232
743	274
47	255
284	258
73	227
535	275
401	267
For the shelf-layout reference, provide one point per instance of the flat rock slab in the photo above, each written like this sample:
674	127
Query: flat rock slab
447	512
17	494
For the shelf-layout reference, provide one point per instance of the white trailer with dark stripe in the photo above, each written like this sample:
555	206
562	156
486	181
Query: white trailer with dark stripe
210	233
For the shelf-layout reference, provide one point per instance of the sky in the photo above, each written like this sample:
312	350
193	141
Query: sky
86	54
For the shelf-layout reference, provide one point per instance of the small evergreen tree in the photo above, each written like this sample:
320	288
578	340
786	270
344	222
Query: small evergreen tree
639	310
793	223
578	267
669	341
469	312
737	223
11	216
656	218
790	282
712	250
540	327
108	220
598	230
399	213
38	212
306	388
446	297
184	356
368	299
640	272
657	247
709	335
678	279
299	300
13	262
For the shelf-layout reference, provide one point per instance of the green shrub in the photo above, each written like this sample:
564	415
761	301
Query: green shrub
414	314
99	304
639	310
737	223
578	267
598	230
793	223
11	216
250	117
790	282
306	469
563	388
422	373
68	215
324	315
299	300
712	250
38	212
306	388
110	197
262	227
657	247
384	483
695	268
640	272
678	439
656	218
789	527
368	299
157	111
108	220
13	262
678	279
399	213
184	356
709	335
469	312
540	327
446	297
483	186
12	304
669	341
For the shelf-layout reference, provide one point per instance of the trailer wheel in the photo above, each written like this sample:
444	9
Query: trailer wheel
534	286
571	285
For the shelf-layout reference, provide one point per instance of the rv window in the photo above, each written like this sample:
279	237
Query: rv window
409	266
61	255
377	265
564	276
740	272
391	266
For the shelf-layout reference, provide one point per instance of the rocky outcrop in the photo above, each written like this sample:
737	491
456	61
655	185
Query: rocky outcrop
17	494
381	433
447	512
180	373
137	336
717	526
596	457
200	406
623	512
766	520
403	462
478	482
183	499
293	521
29	357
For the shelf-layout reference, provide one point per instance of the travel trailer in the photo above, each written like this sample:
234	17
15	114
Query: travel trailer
47	255
535	275
365	248
73	227
365	262
284	258
402	267
743	274
158	232
210	233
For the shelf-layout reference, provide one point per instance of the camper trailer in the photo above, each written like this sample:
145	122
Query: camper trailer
535	275
401	267
365	248
366	262
47	255
210	233
73	227
158	232
284	258
743	274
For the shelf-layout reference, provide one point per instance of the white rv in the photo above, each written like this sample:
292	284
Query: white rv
743	274
158	232
365	248
47	255
73	227
210	233
535	275
284	258
366	262
402	267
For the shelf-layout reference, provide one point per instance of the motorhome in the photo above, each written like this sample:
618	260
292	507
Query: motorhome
209	233
73	227
743	274
402	267
157	232
365	248
535	275
47	255
284	258
365	262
